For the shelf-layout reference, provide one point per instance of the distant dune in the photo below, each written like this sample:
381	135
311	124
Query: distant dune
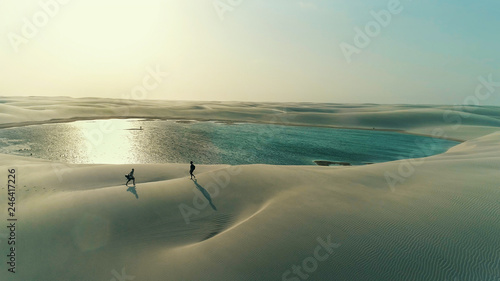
460	123
435	218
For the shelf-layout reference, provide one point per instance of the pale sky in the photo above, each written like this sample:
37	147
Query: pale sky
427	52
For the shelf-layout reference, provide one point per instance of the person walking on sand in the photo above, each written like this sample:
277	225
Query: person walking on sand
191	170
130	177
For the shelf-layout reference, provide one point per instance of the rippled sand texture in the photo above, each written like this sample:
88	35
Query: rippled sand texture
440	221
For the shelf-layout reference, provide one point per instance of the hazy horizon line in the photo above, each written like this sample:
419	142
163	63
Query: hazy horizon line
249	101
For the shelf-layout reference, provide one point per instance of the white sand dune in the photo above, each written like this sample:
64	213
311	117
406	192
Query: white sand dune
419	119
439	221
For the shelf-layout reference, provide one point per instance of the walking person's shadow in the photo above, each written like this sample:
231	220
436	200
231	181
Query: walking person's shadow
205	193
133	190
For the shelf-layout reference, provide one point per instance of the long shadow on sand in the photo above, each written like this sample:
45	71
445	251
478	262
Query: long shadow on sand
205	193
133	190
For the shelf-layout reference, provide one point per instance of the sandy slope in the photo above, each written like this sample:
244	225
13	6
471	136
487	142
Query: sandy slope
439	224
438	221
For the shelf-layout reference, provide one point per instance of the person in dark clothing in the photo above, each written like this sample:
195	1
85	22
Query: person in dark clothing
191	170
130	177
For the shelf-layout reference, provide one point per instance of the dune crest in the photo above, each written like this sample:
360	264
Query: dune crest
268	214
457	123
434	218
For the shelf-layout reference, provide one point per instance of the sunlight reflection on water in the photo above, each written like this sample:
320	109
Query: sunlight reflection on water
119	141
